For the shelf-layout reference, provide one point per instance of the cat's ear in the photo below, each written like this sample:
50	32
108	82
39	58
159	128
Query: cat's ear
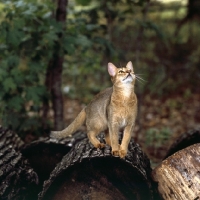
129	65
112	70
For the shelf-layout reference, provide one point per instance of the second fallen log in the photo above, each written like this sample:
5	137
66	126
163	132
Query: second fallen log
178	176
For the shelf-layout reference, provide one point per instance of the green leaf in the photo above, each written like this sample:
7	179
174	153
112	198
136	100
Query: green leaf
35	93
8	84
83	41
83	2
3	73
12	61
18	76
15	103
69	44
14	37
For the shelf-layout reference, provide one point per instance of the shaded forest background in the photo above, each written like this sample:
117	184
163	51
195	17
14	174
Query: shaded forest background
54	55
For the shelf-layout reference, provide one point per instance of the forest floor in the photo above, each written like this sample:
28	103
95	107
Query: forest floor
160	121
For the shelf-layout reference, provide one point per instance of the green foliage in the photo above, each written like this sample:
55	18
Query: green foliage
29	39
26	36
157	138
96	32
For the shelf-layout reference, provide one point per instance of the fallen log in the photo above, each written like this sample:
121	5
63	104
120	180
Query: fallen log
18	180
10	138
189	138
178	176
90	173
45	153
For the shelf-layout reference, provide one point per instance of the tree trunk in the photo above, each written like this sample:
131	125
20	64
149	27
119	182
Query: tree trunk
178	176
90	173
138	51
57	98
54	72
193	12
57	70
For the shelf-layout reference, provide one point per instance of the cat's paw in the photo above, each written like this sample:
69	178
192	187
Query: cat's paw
100	146
115	153
122	153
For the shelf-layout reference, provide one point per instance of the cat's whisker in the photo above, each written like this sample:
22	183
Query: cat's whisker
140	75
139	81
139	78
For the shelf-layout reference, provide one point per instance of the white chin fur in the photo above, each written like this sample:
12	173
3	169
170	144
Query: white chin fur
128	79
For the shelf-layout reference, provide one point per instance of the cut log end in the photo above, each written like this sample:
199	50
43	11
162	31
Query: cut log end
178	176
44	154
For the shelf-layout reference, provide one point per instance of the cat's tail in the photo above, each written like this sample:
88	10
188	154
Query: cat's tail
78	121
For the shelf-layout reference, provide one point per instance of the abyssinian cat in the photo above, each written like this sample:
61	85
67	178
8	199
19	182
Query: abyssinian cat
111	110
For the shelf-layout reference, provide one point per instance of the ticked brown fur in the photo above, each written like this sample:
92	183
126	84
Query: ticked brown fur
111	110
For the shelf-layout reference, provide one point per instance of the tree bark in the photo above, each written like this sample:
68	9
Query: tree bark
139	45
178	176
54	72
10	138
57	98
18	181
193	12
44	154
56	92
185	140
90	173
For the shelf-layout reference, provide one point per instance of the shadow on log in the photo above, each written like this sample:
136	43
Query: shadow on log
90	173
44	154
18	181
185	140
178	176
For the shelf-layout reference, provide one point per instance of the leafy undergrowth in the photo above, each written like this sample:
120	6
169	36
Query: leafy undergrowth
160	121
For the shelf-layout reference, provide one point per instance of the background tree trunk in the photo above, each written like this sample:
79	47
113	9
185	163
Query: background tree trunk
56	92
193	12
178	176
54	72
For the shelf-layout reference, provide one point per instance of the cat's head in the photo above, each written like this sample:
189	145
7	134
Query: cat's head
124	75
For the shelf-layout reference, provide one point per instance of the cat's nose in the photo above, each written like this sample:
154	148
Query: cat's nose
128	71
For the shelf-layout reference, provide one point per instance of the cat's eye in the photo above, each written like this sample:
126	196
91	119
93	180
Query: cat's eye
121	71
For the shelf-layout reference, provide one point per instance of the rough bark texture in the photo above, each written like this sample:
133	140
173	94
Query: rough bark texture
58	59
53	80
17	178
185	140
44	154
178	176
57	98
90	173
9	138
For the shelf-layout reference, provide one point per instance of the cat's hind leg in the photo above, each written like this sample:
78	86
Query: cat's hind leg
107	137
92	137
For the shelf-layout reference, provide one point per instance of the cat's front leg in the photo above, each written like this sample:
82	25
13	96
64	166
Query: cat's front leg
113	131
125	141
